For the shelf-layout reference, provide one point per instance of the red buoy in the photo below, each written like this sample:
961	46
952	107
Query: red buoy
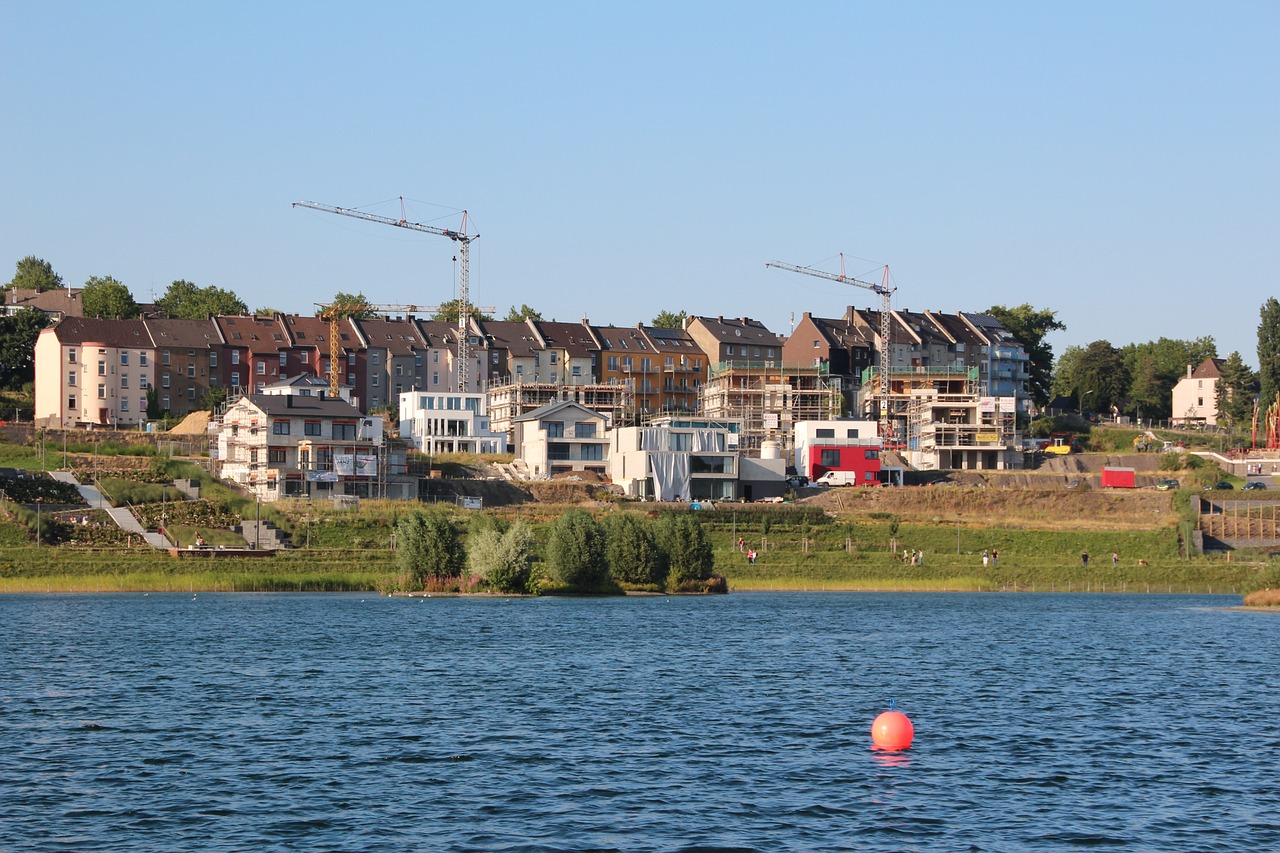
892	730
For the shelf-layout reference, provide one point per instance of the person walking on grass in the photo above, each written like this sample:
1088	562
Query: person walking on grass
1084	559
1115	559
985	558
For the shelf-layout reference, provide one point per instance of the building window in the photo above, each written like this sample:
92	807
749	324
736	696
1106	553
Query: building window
124	404
165	358
71	378
304	357
213	358
577	370
124	381
871	454
612	362
284	359
213	381
825	433
262	368
276	456
235	378
280	427
351	379
830	459
351	358
592	452
399	369
124	359
71	356
375	380
493	357
555	429
435	378
191	369
584	429
71	402
164	380
142	359
519	370
102	368
235	356
164	402
191	392
344	431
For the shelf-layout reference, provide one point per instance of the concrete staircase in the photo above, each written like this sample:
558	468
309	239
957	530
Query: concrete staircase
263	535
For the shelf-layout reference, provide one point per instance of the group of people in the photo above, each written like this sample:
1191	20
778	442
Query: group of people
913	556
991	557
750	552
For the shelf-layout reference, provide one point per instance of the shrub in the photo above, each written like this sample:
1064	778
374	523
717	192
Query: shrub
503	559
576	551
633	552
689	555
428	546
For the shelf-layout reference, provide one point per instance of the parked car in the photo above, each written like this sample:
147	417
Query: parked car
1254	486
1167	485
1221	486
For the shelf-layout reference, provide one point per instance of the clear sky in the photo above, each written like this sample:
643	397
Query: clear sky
1116	162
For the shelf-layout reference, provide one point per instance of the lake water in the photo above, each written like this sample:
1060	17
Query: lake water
740	722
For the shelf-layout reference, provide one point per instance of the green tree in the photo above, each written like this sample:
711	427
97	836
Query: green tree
107	298
576	551
186	301
1235	392
690	559
1099	379
17	346
449	312
35	274
154	411
427	545
1156	366
348	305
504	558
266	312
214	398
634	555
669	320
517	315
1031	326
1269	351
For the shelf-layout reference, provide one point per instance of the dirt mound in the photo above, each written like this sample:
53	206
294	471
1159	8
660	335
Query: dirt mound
1040	508
196	423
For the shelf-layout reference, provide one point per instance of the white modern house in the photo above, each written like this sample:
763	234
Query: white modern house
561	438
448	422
673	458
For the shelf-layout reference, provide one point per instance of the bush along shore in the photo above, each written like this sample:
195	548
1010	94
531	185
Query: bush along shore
569	550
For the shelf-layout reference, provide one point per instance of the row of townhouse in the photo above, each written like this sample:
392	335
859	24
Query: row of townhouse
98	371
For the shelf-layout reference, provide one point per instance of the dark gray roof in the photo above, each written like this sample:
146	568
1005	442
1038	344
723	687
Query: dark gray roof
282	404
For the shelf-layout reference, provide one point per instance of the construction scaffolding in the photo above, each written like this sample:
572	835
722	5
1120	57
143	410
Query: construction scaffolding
769	399
950	427
509	400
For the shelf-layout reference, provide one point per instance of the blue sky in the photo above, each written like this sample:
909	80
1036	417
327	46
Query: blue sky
1114	162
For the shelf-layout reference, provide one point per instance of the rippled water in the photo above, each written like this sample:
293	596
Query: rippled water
309	722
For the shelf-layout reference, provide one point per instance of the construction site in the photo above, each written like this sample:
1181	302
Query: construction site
769	399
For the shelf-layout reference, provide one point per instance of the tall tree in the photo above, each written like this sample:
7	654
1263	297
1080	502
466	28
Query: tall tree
449	312
1030	326
669	320
185	301
576	551
1099	379
17	346
1269	351
518	315
35	274
1235	392
350	305
1158	365
105	297
427	545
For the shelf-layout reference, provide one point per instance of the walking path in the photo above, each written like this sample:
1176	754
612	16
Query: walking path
120	515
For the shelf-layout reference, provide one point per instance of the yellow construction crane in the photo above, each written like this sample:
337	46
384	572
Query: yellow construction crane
885	325
464	254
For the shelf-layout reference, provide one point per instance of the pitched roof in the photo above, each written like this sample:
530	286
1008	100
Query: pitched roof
289	404
573	338
439	334
112	333
552	408
671	340
264	335
622	339
63	300
397	337
516	338
841	334
1210	368
737	330
183	334
956	328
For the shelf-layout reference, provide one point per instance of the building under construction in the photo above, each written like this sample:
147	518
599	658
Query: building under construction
508	401
769	399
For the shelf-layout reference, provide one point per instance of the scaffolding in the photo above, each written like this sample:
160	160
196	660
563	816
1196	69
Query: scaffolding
769	399
950	427
509	400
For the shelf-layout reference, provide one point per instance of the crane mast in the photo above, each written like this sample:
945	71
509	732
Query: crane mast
885	326
464	259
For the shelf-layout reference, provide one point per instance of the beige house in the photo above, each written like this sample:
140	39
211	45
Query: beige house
1195	397
92	372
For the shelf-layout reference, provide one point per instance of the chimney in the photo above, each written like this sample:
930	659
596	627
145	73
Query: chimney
1188	371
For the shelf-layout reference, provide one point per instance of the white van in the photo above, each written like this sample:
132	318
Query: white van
838	478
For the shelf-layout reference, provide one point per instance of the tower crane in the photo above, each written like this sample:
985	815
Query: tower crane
464	254
885	325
